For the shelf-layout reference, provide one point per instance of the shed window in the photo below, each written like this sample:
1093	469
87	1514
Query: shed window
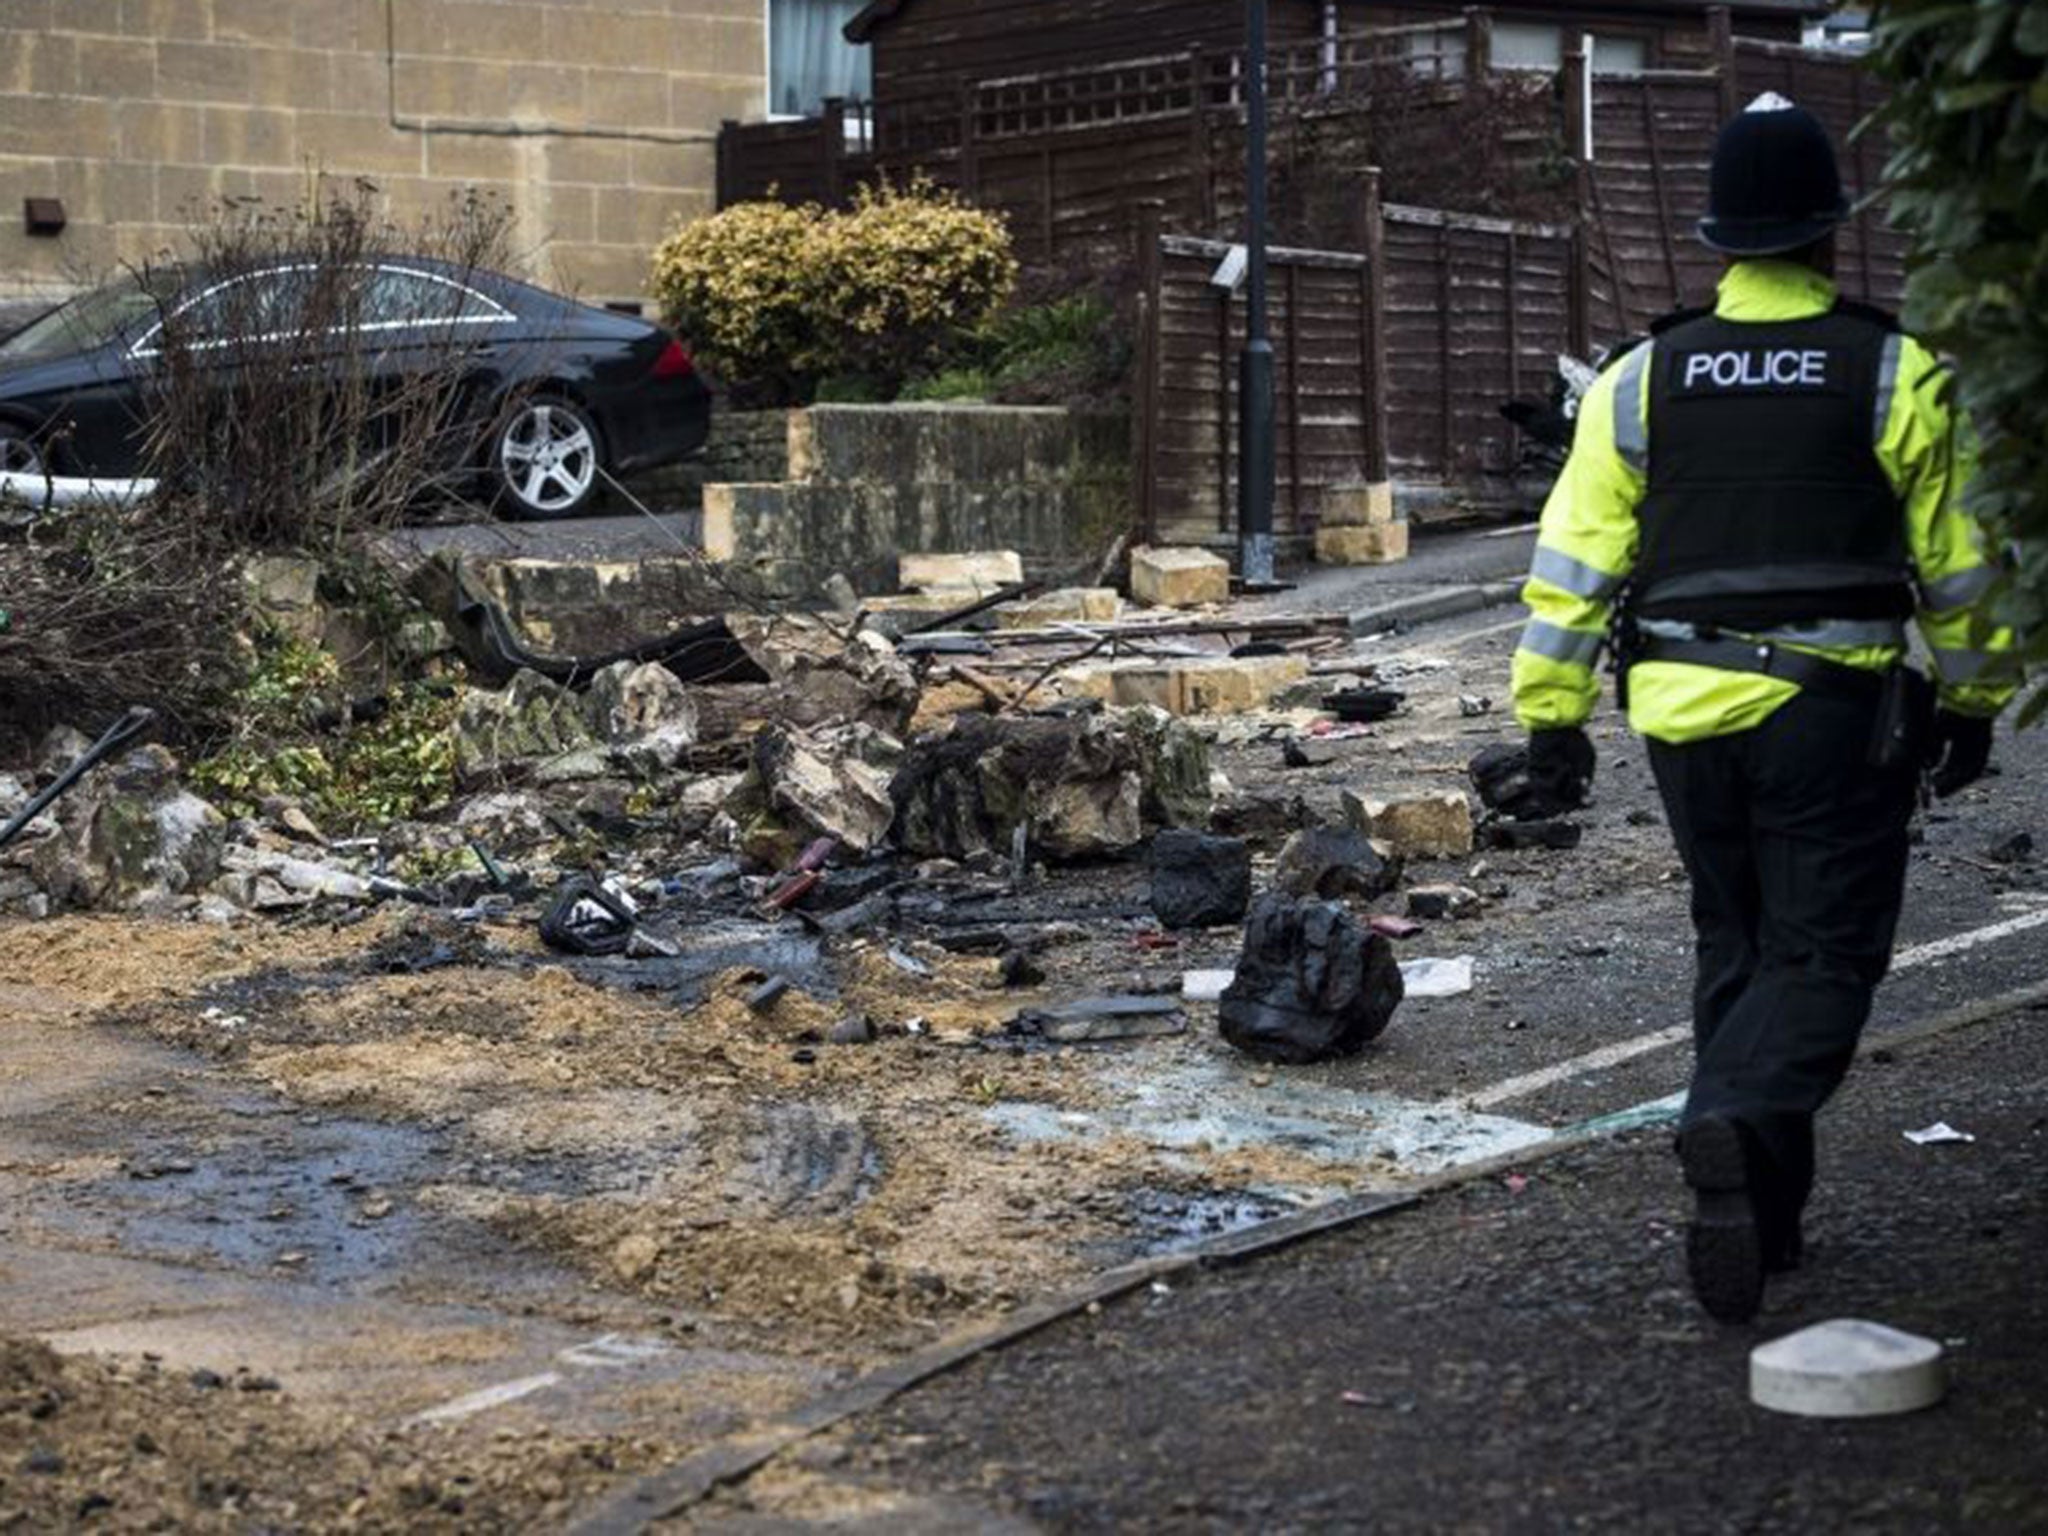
1541	45
809	57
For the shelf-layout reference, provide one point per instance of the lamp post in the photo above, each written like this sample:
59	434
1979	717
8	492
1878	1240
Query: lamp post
1255	366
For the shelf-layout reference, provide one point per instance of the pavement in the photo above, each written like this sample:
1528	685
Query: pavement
1518	1352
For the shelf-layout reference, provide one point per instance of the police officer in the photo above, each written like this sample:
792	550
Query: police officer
1758	497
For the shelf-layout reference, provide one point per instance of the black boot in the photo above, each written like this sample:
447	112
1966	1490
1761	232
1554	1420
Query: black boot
1724	1246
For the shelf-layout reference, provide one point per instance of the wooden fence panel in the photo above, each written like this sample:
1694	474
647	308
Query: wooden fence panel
1319	305
1472	312
1477	312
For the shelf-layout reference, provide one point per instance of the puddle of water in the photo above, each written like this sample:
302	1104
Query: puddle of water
1181	1105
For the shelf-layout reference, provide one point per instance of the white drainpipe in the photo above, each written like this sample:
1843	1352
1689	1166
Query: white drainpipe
35	492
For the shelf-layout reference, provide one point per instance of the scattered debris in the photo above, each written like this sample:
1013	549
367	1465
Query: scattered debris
1207	685
131	836
1939	1134
1199	881
1330	862
1083	787
1472	705
1431	903
1363	706
803	784
985	571
1428	826
1437	978
765	996
1847	1369
1178	578
586	916
1557	835
1104	1018
1312	983
1205	986
1500	777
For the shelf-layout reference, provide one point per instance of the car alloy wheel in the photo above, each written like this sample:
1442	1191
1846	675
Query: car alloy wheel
547	456
18	455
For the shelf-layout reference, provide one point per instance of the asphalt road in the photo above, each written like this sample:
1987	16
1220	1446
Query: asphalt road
1520	1354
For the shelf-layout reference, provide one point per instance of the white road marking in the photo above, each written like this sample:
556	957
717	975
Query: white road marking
1657	1040
1574	1066
489	1397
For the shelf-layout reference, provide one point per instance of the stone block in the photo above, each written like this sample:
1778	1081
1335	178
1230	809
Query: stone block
1347	544
121	68
1437	825
979	572
1179	578
1221	685
202	72
1065	605
1365	504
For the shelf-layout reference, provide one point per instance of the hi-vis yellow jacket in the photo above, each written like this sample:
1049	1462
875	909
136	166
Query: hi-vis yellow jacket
1587	544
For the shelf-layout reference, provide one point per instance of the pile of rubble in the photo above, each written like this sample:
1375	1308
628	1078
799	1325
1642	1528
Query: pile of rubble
978	728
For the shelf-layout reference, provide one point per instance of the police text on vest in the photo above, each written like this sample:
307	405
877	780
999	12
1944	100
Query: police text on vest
1757	368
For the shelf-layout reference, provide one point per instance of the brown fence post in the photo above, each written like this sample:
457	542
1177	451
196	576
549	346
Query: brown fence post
832	124
1478	45
1375	360
1150	284
1721	36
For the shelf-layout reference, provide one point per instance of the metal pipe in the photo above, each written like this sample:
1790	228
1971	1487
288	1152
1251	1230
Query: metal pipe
1255	476
40	491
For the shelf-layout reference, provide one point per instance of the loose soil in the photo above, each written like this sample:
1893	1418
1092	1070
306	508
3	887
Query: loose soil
462	1152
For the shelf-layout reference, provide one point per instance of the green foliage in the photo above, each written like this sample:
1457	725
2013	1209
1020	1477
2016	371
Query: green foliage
1968	178
784	298
951	384
398	765
1031	354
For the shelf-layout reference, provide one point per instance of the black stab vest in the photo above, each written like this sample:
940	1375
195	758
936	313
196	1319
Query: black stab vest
1766	504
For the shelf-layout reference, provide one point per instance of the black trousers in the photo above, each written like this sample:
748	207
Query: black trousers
1797	852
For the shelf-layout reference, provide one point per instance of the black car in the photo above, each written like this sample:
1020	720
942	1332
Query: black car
563	393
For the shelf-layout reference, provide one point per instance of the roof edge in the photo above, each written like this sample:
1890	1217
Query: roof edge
871	15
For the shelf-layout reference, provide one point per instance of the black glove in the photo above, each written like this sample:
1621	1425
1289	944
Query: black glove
1959	750
1560	770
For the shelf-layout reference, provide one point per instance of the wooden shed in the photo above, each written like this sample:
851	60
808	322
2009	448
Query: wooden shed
924	47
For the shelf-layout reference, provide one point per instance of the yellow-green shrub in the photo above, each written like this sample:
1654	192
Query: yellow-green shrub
781	298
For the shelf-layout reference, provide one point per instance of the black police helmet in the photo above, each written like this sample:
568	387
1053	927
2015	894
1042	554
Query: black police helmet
1774	186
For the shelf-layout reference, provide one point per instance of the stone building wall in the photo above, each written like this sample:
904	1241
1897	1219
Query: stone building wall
596	119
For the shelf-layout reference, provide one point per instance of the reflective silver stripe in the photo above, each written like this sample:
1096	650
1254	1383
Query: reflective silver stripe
1631	431
1574	576
1557	643
1887	385
1945	594
1964	666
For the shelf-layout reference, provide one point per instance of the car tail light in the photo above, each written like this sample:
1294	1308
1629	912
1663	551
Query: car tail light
674	362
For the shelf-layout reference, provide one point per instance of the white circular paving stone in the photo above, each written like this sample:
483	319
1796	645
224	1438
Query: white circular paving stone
1847	1369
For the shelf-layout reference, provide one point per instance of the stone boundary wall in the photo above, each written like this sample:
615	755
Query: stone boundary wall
598	122
865	483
